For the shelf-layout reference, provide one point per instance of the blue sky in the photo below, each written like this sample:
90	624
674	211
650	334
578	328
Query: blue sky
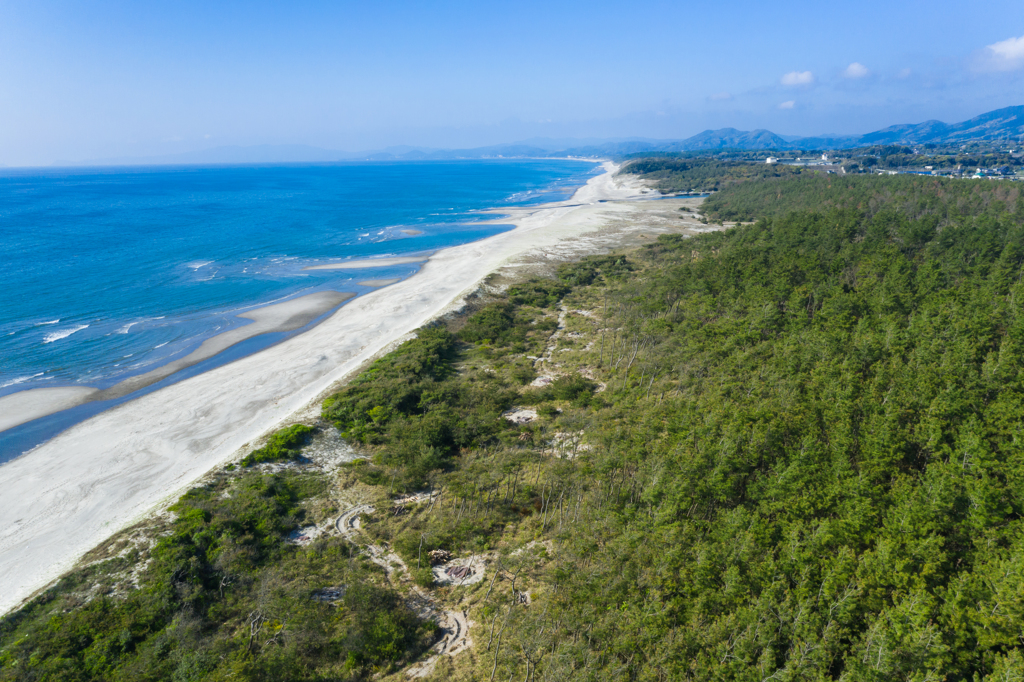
82	80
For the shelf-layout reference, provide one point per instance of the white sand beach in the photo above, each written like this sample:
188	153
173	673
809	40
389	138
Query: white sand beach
103	474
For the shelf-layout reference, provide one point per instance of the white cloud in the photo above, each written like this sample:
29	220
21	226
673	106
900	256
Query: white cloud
787	105
720	97
1006	55
904	73
798	78
856	70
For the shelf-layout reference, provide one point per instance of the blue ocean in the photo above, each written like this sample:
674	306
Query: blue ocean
109	273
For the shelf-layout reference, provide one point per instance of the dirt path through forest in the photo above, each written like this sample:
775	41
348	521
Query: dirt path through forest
455	624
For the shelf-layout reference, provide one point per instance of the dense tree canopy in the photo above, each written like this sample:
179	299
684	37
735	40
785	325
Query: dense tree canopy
673	175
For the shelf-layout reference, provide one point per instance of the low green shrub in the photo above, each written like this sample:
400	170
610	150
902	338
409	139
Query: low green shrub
424	577
570	387
284	445
540	293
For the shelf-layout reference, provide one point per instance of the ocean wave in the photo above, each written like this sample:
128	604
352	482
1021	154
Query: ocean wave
63	333
195	265
20	380
124	329
19	327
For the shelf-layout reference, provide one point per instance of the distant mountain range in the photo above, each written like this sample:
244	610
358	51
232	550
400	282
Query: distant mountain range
1002	124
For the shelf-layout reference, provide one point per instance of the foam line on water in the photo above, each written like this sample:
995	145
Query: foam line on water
63	333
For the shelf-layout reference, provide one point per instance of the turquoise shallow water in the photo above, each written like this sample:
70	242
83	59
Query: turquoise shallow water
109	273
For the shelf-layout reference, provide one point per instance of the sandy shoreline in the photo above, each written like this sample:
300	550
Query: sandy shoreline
24	406
105	473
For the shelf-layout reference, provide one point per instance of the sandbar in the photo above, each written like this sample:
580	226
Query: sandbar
24	406
378	282
369	263
411	233
279	317
103	474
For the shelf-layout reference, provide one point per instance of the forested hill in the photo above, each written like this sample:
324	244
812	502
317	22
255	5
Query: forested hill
699	175
790	450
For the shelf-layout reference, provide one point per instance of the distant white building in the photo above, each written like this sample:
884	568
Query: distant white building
771	159
824	157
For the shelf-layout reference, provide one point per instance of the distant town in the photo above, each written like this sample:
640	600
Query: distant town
991	164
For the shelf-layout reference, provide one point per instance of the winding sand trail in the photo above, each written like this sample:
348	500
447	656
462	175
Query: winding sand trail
454	624
101	475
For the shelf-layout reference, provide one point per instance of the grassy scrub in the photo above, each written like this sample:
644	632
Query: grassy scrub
284	445
444	392
221	595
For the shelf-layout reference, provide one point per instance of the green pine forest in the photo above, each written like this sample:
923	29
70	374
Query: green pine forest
790	450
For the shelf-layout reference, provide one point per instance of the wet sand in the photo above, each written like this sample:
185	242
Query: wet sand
24	406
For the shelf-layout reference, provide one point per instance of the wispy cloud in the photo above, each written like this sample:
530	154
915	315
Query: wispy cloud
856	70
720	97
798	78
787	105
1006	55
